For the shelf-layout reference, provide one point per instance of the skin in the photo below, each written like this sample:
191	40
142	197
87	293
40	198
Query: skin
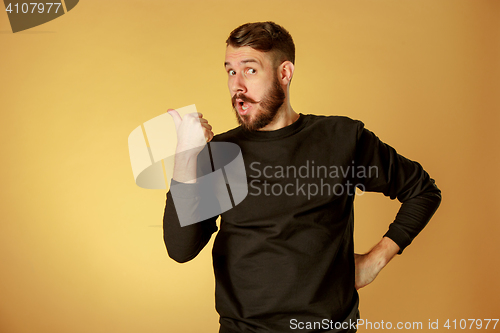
251	73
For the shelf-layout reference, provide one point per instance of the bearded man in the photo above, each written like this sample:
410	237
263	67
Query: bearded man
284	257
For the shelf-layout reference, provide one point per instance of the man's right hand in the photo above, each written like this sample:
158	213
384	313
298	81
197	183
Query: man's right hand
193	132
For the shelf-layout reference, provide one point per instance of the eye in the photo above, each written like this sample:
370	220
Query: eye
251	71
231	72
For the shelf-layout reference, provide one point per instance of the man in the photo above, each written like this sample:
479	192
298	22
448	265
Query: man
284	257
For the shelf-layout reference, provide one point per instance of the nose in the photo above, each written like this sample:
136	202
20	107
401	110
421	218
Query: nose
237	83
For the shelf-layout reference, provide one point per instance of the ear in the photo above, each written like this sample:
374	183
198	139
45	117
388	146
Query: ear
285	72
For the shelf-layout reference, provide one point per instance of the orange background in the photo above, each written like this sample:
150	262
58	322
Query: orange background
81	246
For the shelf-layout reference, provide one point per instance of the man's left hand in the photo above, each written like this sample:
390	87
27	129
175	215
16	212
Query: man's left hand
370	264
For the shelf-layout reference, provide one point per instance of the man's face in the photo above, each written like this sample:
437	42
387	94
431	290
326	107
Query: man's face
256	92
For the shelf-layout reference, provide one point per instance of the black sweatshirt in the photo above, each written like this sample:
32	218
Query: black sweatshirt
284	257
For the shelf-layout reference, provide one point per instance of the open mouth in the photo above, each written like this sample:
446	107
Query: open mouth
243	107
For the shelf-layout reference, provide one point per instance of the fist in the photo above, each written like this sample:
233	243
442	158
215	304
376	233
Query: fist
193	131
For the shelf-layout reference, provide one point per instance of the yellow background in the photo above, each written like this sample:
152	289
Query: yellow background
81	246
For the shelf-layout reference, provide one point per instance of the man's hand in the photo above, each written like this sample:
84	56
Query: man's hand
370	264
193	132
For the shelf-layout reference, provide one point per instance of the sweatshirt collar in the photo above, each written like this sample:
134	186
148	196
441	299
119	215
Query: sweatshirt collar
276	134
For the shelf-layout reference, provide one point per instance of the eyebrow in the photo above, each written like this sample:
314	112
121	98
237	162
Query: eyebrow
244	61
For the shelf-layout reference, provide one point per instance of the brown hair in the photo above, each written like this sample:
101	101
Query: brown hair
265	37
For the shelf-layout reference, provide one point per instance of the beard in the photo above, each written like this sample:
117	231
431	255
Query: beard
269	107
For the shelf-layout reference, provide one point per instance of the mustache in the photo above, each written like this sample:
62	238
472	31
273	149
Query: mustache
243	98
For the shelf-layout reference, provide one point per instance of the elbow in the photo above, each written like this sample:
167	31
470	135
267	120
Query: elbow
437	197
180	257
179	253
434	194
433	199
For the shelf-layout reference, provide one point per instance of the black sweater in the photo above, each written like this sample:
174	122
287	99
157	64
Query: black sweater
285	254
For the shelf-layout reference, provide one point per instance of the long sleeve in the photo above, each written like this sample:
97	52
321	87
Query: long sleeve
184	243
397	177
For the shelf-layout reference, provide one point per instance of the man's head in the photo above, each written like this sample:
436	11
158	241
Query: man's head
265	37
260	62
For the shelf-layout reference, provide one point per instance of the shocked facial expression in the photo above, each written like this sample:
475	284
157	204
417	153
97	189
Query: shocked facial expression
257	94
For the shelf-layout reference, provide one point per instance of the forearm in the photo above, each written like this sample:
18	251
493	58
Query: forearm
185	166
413	216
184	243
383	252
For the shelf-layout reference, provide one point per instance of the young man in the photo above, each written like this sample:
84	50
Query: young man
284	257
